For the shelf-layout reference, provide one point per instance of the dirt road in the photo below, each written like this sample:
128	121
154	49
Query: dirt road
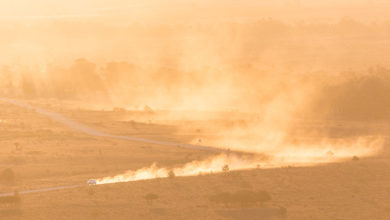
87	130
90	131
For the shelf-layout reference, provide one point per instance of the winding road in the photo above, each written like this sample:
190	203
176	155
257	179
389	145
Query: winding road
87	130
90	131
48	189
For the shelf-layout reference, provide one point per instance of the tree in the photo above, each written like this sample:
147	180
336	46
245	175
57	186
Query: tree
28	86
83	77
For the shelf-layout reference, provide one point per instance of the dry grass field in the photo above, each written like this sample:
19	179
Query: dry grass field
43	153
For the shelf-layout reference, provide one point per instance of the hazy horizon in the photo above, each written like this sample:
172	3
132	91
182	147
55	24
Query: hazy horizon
124	109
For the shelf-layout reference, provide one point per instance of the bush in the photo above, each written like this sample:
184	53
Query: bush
151	197
355	158
282	211
171	174
14	199
119	109
7	176
148	109
91	191
242	197
225	168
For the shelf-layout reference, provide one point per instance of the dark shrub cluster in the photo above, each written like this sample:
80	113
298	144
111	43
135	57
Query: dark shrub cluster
7	176
150	197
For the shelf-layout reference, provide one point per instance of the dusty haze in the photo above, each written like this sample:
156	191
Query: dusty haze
269	84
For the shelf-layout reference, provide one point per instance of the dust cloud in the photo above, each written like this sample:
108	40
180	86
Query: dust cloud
284	83
277	68
273	157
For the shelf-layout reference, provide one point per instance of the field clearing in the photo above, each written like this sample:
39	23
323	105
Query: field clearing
43	153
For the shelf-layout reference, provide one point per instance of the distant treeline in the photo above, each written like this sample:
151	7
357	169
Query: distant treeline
345	43
249	66
350	95
357	97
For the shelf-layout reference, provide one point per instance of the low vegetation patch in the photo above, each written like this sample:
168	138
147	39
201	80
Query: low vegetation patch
242	198
7	176
150	197
9	200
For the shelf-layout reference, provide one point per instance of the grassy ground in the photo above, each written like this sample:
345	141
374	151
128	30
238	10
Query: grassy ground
43	153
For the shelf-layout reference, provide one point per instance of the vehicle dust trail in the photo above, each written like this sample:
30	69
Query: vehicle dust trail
216	164
290	155
234	162
48	189
87	130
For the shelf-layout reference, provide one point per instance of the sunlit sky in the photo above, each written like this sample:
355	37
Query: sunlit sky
140	9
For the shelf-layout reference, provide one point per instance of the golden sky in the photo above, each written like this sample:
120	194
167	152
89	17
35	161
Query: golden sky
146	9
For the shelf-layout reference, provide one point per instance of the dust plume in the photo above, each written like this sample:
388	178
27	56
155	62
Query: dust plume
290	156
288	79
282	130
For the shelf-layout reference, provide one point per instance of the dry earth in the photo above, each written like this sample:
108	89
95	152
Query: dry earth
43	153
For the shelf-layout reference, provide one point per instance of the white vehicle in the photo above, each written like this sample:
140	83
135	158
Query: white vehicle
92	182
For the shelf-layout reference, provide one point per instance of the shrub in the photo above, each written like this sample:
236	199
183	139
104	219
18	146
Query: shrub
225	168
14	199
91	191
148	109
282	211
151	197
355	158
171	174
118	109
7	176
17	146
247	197
16	160
242	197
